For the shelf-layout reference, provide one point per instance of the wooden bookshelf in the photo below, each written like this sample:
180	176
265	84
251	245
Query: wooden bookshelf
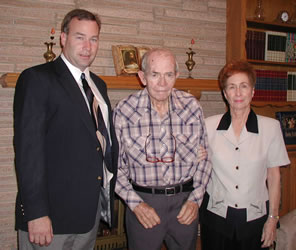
240	18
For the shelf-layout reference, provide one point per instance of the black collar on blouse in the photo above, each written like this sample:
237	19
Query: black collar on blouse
251	125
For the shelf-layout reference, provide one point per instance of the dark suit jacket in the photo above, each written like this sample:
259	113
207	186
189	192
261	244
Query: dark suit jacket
58	157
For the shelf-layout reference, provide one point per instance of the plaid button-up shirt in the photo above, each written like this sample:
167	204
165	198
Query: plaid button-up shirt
134	120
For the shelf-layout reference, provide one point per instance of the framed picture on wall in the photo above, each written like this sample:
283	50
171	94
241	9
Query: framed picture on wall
125	59
140	53
287	120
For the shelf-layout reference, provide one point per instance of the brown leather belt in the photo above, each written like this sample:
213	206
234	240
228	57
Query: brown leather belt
168	191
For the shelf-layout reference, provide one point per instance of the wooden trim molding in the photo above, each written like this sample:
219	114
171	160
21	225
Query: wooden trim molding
193	86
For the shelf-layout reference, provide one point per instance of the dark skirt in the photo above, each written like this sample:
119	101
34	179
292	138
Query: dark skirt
220	233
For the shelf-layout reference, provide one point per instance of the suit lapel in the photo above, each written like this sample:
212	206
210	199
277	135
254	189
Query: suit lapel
68	82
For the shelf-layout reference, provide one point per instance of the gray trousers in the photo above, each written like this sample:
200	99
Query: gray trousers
176	236
64	241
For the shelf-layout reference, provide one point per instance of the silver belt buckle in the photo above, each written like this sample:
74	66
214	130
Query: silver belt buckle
167	191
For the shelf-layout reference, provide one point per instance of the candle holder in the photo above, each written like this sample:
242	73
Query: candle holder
49	55
190	62
259	11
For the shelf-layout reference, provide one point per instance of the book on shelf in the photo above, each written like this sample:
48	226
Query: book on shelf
275	46
287	120
270	46
271	85
255	45
291	47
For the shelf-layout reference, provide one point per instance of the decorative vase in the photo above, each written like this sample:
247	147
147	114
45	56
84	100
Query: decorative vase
190	62
49	55
259	11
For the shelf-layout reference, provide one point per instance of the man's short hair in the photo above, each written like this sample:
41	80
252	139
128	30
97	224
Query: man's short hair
80	14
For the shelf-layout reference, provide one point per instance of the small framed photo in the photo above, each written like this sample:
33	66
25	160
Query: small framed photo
140	52
125	59
287	120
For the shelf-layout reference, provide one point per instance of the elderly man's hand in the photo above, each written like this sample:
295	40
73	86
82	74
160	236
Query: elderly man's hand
188	213
146	215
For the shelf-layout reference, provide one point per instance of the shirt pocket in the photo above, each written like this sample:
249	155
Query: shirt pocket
186	148
217	203
135	149
256	210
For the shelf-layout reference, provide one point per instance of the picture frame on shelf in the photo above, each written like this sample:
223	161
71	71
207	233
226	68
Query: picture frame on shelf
140	52
287	120
125	59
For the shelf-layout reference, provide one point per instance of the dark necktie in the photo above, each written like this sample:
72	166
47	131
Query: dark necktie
101	127
90	97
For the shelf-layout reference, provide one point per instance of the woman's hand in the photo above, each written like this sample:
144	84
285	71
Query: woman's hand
269	232
201	154
274	192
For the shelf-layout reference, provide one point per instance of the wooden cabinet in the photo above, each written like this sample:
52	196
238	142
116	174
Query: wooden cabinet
288	177
240	18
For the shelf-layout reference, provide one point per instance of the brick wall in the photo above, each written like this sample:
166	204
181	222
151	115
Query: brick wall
25	25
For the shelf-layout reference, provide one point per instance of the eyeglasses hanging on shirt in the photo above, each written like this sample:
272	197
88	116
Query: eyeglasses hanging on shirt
150	140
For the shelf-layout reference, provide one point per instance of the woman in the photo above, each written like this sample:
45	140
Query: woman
240	209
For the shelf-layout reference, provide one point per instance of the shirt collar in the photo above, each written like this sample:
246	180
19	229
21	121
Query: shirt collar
251	124
76	72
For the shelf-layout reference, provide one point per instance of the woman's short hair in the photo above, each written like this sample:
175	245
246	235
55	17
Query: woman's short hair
235	67
80	14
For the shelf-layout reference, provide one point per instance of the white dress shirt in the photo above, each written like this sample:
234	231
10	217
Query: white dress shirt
77	75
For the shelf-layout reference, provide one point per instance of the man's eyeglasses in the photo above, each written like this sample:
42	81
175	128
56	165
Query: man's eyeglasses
166	159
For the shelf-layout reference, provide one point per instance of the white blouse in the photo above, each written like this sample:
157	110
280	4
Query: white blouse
240	165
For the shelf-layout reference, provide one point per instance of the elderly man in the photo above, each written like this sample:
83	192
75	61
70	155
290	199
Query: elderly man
160	176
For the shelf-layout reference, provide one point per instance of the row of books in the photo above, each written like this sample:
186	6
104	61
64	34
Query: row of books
274	85
271	46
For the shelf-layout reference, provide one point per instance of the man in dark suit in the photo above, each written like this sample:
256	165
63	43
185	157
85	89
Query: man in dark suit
65	183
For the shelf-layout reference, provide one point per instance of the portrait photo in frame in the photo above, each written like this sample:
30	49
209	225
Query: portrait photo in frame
125	59
140	53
